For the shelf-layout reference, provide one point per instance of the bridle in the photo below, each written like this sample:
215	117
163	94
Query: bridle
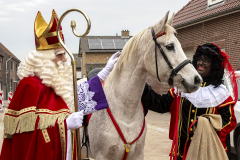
174	71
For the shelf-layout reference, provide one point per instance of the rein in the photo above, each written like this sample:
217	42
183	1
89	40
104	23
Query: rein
174	71
127	145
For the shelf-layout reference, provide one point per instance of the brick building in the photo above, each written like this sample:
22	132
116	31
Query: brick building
209	21
78	60
12	64
96	50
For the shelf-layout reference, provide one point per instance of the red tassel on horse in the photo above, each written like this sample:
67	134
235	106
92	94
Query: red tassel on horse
175	136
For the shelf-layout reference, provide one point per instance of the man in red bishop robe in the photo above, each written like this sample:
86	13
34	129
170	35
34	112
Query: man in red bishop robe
39	120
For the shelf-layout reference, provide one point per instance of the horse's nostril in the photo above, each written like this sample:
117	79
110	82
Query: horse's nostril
196	80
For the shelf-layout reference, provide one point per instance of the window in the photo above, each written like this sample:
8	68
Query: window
16	66
212	2
0	85
11	65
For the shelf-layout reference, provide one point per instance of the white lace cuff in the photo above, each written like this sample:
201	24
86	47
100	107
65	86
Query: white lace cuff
208	96
85	101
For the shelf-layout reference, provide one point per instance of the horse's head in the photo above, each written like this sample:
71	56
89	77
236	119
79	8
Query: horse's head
187	76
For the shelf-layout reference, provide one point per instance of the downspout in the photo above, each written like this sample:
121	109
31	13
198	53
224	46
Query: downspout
6	77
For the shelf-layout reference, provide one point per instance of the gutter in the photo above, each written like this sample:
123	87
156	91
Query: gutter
207	18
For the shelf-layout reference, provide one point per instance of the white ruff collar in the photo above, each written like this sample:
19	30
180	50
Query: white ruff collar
208	96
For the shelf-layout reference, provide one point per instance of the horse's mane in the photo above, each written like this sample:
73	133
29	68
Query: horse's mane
129	49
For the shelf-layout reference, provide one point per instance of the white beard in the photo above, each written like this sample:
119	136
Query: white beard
58	77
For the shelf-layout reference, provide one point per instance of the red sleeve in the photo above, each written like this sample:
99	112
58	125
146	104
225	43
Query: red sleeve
226	110
172	93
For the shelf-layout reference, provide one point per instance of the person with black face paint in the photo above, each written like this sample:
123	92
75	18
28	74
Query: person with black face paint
211	98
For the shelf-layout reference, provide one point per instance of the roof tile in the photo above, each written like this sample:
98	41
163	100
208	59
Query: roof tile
196	9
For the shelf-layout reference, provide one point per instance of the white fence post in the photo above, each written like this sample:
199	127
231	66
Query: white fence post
1	102
9	97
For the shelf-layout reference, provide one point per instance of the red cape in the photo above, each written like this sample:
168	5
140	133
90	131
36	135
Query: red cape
34	124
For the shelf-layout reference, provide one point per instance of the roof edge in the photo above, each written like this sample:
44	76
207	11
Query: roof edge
6	50
207	18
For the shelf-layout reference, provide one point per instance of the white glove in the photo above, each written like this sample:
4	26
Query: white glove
105	72
75	120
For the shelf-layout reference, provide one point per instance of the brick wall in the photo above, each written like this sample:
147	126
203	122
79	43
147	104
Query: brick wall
223	31
92	59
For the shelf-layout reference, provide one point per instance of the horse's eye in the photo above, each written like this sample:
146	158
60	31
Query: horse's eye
170	46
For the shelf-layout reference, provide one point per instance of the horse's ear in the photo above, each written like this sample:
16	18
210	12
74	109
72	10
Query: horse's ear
161	25
170	21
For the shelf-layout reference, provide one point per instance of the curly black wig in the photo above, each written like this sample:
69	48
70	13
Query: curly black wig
211	51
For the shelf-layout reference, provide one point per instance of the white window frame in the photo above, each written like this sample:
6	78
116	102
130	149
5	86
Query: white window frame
212	2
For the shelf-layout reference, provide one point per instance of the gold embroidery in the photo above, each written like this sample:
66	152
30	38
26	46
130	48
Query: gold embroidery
189	116
17	113
29	109
207	111
229	118
226	104
171	93
214	110
45	135
17	122
180	124
195	118
204	84
210	111
63	138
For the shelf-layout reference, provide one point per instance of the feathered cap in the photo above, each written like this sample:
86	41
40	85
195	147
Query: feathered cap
46	34
226	65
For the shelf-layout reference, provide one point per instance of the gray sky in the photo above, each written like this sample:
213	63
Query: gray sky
108	17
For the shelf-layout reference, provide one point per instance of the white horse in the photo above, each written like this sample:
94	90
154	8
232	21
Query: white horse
124	87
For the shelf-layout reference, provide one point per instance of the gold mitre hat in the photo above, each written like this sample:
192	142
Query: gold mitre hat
46	34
